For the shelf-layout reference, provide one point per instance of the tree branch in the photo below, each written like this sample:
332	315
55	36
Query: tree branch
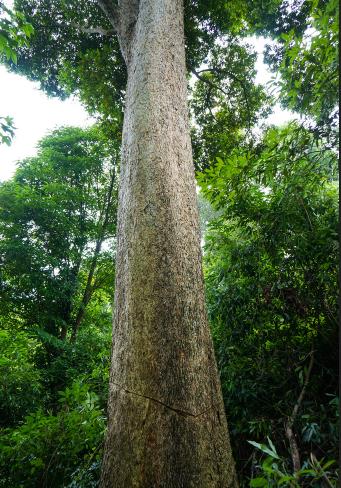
209	82
123	17
95	30
218	71
112	13
295	455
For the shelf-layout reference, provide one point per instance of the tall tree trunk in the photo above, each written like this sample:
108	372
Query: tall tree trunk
167	425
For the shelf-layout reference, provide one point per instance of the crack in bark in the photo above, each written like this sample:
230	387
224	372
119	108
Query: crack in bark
184	413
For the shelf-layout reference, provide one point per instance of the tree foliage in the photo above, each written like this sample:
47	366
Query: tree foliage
56	450
306	58
271	271
21	386
84	58
270	248
225	102
56	214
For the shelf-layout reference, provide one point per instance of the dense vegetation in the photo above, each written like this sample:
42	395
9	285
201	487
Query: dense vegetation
270	232
271	271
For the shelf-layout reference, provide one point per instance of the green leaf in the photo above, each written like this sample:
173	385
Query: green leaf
271	445
258	482
264	448
28	29
328	463
285	478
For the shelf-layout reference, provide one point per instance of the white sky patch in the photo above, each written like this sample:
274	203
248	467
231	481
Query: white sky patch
264	76
34	114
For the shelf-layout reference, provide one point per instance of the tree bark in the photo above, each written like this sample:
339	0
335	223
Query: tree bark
167	425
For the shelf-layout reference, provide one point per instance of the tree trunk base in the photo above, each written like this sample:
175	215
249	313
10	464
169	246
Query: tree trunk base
164	447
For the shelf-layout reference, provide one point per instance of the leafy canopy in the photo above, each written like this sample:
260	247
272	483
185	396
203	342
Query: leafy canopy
74	50
271	260
53	214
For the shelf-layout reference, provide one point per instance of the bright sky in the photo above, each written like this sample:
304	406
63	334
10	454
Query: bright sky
35	114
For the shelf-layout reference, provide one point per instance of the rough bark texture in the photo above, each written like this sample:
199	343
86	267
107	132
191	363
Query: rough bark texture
167	425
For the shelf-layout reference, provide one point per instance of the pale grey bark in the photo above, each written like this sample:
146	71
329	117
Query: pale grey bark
167	425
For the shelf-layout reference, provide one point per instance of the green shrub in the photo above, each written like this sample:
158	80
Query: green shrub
56	450
61	363
20	381
274	471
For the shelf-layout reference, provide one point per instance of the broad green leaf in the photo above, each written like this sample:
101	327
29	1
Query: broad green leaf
264	448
